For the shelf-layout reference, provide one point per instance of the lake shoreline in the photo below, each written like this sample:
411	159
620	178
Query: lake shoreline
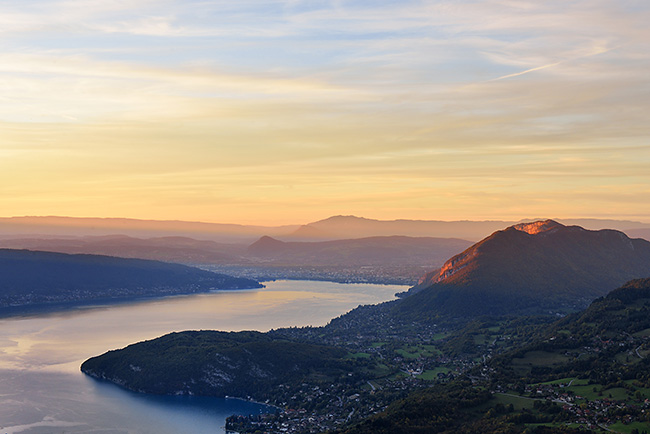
105	381
40	309
43	349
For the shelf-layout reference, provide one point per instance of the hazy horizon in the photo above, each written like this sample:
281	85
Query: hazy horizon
63	218
295	223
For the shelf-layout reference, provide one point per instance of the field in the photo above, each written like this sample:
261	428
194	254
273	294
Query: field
432	374
358	356
417	351
567	381
538	358
519	403
560	425
627	429
642	334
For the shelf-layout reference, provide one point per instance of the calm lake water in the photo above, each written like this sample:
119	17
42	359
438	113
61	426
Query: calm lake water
43	391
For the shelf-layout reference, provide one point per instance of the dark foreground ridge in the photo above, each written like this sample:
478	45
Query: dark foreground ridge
33	278
434	362
589	370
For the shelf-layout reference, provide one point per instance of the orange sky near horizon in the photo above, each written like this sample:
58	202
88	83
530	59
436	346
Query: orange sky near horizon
287	111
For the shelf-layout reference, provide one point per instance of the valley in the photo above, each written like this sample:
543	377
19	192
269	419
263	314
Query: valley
43	389
498	334
394	355
324	217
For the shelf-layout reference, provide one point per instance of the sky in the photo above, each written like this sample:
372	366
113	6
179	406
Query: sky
289	111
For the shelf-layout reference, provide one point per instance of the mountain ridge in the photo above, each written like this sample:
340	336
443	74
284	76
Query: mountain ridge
334	227
31	278
543	263
393	250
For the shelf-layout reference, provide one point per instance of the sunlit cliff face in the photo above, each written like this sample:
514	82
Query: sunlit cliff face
535	228
462	260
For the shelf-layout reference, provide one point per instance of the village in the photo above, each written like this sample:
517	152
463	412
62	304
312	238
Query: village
415	360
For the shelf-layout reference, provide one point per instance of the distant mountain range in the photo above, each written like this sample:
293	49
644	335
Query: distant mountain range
531	266
340	227
395	250
539	265
182	250
53	226
29	278
332	228
364	251
340	248
542	267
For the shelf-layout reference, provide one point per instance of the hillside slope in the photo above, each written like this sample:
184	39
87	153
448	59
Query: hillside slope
589	369
393	250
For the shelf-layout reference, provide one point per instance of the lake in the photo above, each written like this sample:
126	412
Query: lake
43	391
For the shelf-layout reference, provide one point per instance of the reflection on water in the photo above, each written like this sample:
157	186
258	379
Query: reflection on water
72	403
42	390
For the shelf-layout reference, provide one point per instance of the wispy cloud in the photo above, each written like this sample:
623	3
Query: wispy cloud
551	65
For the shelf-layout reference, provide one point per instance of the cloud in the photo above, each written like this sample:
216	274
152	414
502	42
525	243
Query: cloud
443	103
52	87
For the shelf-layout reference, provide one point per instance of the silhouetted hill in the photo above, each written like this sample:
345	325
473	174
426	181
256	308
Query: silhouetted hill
33	277
541	265
54	226
332	228
172	249
385	251
396	259
341	227
394	250
267	246
639	233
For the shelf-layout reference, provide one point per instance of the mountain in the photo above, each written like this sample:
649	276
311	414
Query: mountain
41	278
183	250
530	266
340	227
310	233
332	228
213	363
384	259
393	250
53	226
267	246
639	233
267	251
